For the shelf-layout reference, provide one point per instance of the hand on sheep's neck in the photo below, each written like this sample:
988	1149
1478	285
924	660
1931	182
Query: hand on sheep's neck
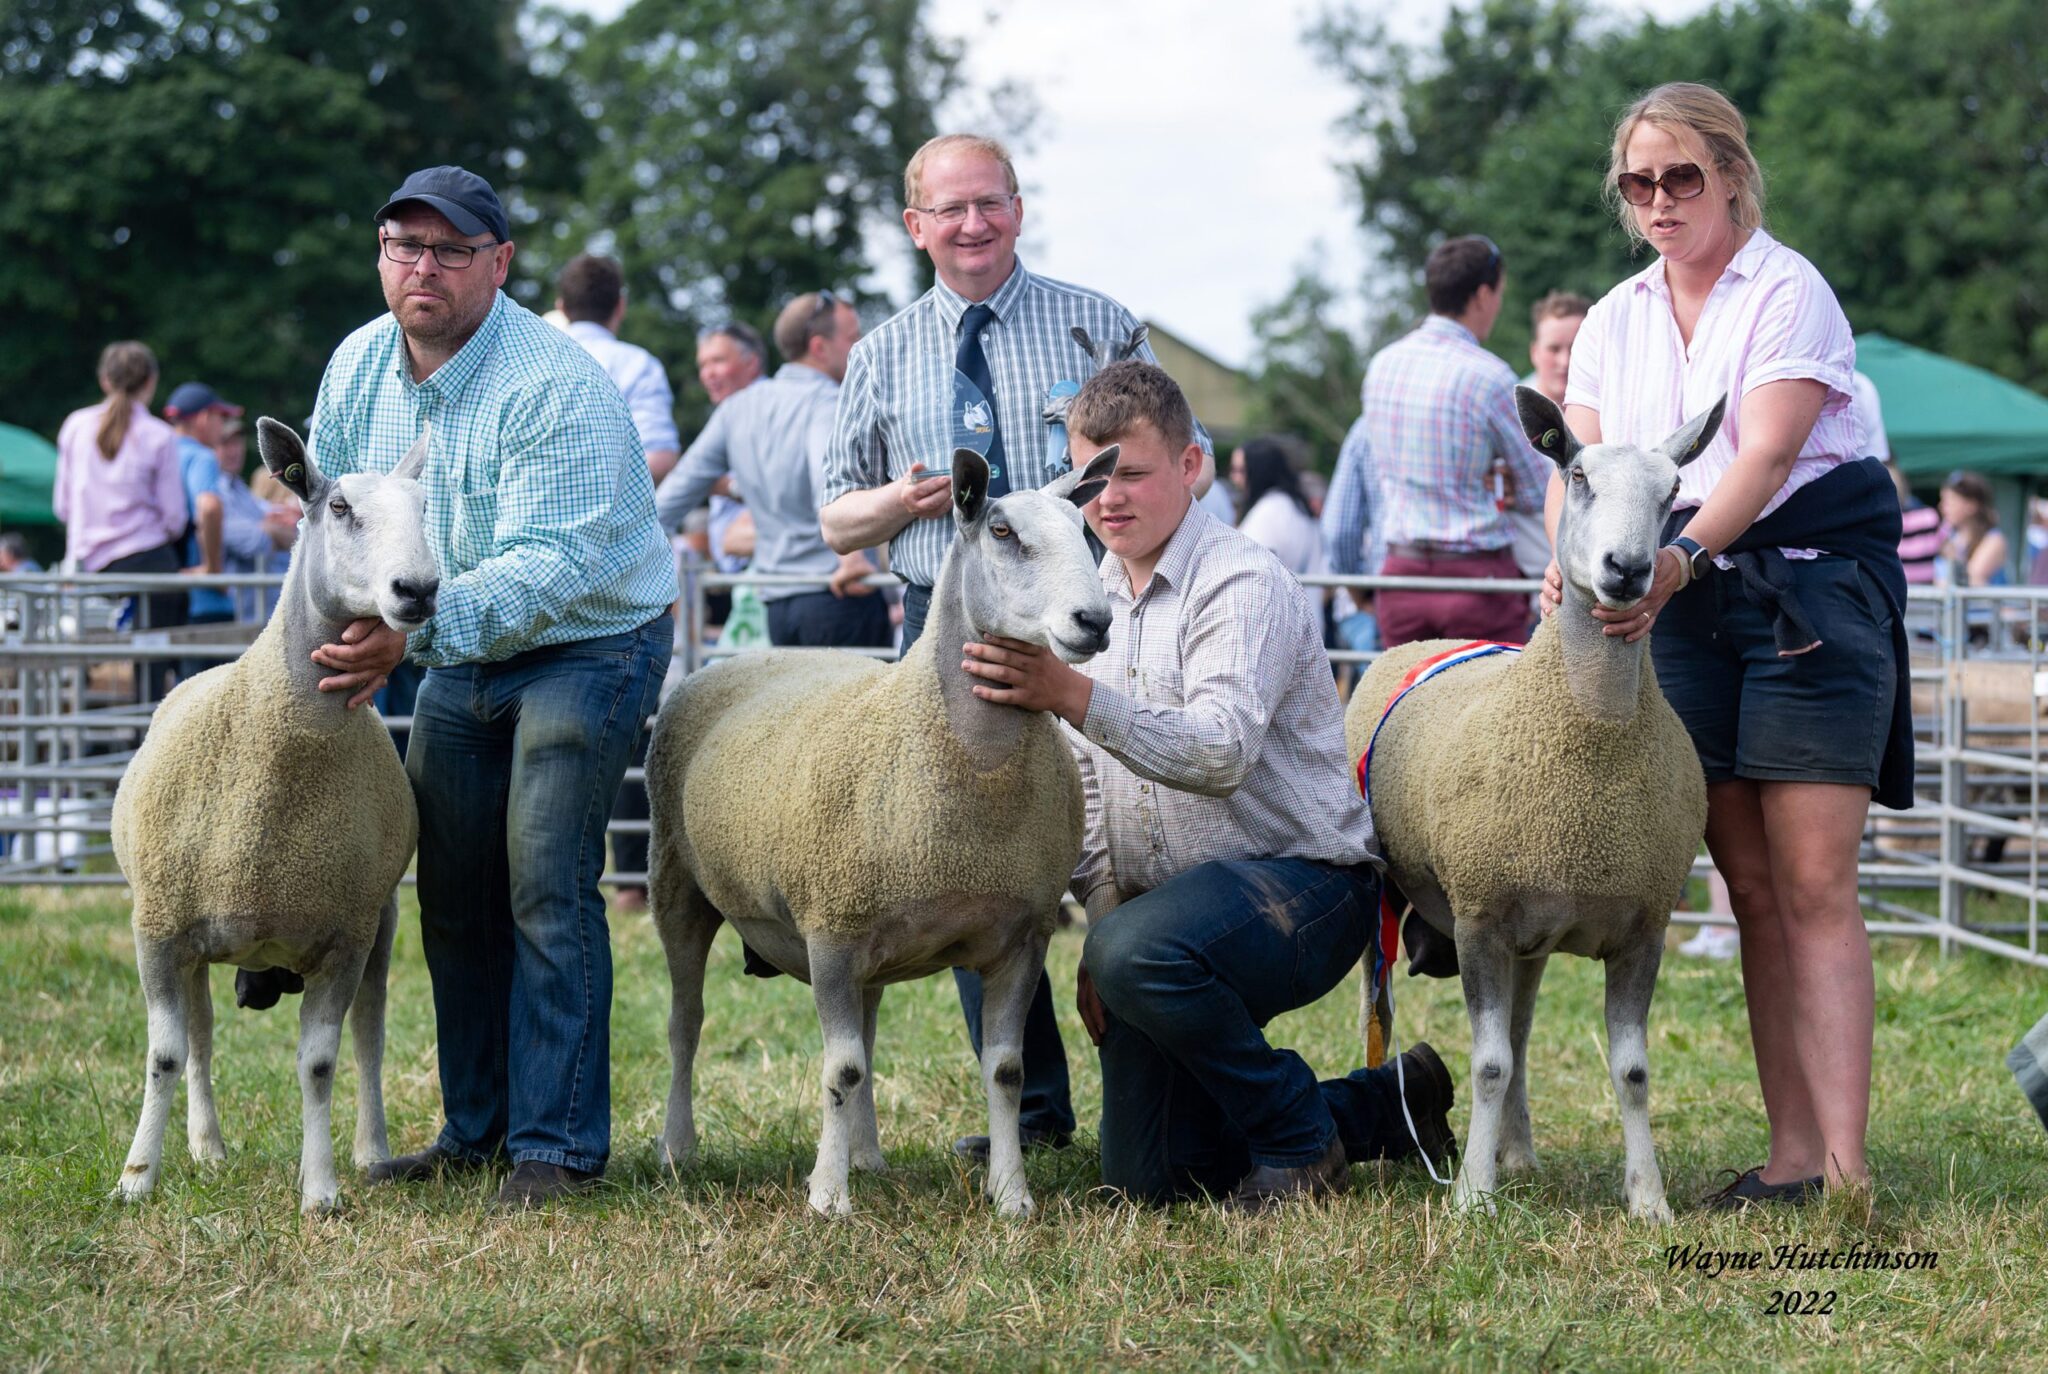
1602	672
301	626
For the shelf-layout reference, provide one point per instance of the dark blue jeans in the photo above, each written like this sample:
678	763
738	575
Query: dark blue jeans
1193	1096
515	766
1047	1105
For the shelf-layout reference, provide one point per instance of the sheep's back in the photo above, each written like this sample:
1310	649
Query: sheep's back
228	812
824	788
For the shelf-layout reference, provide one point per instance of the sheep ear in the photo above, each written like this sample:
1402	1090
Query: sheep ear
284	453
1138	333
1092	479
415	460
1695	434
1088	345
1544	423
970	485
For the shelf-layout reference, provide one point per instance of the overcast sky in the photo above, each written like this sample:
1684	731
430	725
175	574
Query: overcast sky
1185	160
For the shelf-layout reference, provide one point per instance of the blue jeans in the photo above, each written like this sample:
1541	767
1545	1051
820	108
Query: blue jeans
1193	1096
515	766
820	620
1047	1105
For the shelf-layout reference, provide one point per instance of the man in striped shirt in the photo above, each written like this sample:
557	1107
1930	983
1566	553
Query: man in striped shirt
1449	457
1227	859
544	656
888	471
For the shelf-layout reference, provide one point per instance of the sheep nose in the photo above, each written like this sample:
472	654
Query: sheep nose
1095	623
417	595
1625	574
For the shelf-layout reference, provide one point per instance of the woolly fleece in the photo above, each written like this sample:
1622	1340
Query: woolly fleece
825	789
1490	778
233	810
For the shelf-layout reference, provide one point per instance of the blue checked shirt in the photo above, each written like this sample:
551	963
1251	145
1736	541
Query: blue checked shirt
895	407
540	510
1352	544
1439	409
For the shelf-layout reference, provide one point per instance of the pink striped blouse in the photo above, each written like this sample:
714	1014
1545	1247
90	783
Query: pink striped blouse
1770	318
128	504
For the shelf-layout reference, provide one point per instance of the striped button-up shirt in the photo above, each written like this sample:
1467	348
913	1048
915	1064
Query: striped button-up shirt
1214	729
1770	317
1439	410
540	510
896	405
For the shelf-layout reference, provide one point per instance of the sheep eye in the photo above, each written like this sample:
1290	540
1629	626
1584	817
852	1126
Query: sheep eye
1000	531
338	506
1579	476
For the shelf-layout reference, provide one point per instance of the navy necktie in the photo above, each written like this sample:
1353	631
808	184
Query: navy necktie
973	365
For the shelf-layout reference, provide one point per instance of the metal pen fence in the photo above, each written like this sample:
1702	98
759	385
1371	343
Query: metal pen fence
1963	867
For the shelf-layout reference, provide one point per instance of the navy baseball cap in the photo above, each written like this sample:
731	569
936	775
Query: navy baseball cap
464	197
194	397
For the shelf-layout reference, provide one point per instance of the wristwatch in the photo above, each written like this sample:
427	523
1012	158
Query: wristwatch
1694	556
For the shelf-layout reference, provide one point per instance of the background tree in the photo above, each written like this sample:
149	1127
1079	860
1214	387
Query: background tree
1305	368
1904	147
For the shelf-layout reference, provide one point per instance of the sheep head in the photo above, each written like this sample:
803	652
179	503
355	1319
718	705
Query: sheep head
362	547
1025	568
1616	498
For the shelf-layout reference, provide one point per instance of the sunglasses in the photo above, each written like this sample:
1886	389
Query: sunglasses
1682	182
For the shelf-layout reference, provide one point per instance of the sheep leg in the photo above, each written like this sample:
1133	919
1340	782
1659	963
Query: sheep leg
1485	965
1517	1144
366	1028
1631	982
867	1139
1007	990
202	1120
687	923
328	992
838	994
164	987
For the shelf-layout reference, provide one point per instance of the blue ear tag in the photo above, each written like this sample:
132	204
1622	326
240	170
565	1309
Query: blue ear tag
1058	397
974	420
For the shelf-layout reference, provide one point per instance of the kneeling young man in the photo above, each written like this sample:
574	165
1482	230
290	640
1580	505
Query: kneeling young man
1227	868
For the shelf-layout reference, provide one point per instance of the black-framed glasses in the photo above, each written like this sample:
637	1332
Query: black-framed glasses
453	256
1681	182
955	211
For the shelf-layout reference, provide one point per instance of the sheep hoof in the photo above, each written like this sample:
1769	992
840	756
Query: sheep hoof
1020	1207
870	1162
827	1202
676	1154
1517	1159
205	1151
1654	1210
321	1204
135	1187
1469	1199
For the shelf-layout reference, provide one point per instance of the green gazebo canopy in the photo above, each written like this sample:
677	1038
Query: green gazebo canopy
28	469
1941	414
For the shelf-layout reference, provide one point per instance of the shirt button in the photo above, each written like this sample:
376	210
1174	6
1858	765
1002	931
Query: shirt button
1144	787
1134	672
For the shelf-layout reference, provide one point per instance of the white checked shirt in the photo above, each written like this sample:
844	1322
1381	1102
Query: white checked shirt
896	404
1770	317
1214	731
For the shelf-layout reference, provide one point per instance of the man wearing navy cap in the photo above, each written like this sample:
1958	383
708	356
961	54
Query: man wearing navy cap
543	658
198	413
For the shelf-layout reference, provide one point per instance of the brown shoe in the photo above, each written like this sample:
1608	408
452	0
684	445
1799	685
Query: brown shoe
535	1184
1427	1089
1749	1190
1266	1187
428	1164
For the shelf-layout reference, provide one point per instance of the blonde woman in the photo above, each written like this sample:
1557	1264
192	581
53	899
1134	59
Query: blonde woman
120	493
1776	601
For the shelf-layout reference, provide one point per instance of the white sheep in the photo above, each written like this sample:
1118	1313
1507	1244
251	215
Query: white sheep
1549	800
264	824
861	824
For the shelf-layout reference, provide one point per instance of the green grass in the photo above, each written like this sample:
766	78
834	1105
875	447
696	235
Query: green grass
722	1265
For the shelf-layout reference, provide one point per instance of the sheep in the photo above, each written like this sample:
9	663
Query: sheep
264	824
1548	800
861	824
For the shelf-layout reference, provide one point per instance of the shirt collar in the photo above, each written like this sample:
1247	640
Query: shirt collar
1174	560
803	374
1745	264
1449	328
952	305
590	329
451	377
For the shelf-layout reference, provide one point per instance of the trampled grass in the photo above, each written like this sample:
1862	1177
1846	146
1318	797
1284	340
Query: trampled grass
722	1265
